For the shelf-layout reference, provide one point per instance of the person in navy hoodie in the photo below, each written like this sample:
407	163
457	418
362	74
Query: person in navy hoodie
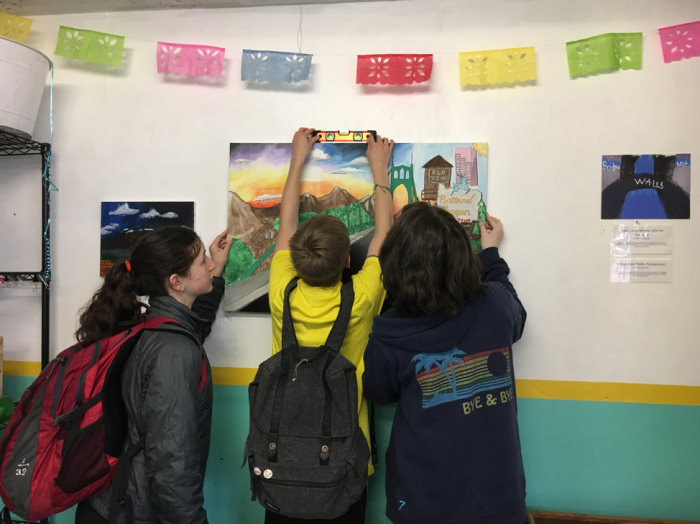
444	353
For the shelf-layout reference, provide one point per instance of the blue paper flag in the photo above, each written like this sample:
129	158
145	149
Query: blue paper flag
273	66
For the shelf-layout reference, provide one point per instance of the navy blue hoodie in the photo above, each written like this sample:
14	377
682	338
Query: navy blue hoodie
454	454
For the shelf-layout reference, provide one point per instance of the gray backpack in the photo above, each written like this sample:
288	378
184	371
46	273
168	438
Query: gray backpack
306	452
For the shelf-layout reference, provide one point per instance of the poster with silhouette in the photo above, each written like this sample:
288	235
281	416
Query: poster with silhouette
646	186
123	223
336	180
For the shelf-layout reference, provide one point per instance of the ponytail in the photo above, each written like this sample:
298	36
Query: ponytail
115	302
156	256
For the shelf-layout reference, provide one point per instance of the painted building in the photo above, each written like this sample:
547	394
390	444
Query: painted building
465	167
437	171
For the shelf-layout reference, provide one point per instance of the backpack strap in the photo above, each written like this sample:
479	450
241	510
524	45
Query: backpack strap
337	334
289	340
334	343
289	335
170	326
120	485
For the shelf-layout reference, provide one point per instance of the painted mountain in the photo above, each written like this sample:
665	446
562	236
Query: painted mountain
336	180
123	223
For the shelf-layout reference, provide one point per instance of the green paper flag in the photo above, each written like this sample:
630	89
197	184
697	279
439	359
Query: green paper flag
590	55
608	52
91	46
627	48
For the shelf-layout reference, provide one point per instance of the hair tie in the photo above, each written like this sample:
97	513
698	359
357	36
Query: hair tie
128	266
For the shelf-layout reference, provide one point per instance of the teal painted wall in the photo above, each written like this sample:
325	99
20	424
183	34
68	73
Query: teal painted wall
612	458
13	387
606	458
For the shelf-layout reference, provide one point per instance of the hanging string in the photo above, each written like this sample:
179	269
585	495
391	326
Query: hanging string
51	105
300	33
47	245
48	183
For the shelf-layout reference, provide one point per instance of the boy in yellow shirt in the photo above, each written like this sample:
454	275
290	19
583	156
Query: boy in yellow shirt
317	252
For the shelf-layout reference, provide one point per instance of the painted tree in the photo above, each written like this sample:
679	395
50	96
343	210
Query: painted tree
240	258
482	211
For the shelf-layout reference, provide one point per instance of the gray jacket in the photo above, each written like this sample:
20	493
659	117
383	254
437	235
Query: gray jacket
167	404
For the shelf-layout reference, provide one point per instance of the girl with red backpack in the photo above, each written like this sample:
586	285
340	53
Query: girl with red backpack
166	381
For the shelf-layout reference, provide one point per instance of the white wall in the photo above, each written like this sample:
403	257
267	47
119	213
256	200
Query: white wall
132	134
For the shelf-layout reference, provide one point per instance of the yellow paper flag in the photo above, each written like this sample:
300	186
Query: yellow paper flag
14	27
498	66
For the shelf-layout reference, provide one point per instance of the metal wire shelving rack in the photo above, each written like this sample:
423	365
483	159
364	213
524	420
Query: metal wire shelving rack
13	145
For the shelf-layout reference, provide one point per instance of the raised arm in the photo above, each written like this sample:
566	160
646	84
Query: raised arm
495	269
302	143
379	155
206	306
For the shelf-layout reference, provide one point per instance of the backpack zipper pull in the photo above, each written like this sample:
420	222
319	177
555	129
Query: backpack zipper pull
56	361
297	367
66	415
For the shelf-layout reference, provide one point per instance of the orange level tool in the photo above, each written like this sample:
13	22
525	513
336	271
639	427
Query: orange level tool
345	136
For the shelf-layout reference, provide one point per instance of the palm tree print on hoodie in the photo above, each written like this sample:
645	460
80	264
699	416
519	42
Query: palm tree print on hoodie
454	375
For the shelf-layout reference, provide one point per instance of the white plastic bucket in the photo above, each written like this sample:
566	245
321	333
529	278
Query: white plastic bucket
23	73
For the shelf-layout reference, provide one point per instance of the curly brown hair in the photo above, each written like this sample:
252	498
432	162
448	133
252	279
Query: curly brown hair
428	265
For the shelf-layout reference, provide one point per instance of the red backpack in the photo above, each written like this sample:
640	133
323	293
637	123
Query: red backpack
65	437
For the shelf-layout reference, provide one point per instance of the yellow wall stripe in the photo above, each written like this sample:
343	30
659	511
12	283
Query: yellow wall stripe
233	376
20	368
542	389
609	392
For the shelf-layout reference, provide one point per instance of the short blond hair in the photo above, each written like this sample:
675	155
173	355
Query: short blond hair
319	250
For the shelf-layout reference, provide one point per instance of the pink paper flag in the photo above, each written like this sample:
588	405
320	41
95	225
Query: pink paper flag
680	41
186	59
